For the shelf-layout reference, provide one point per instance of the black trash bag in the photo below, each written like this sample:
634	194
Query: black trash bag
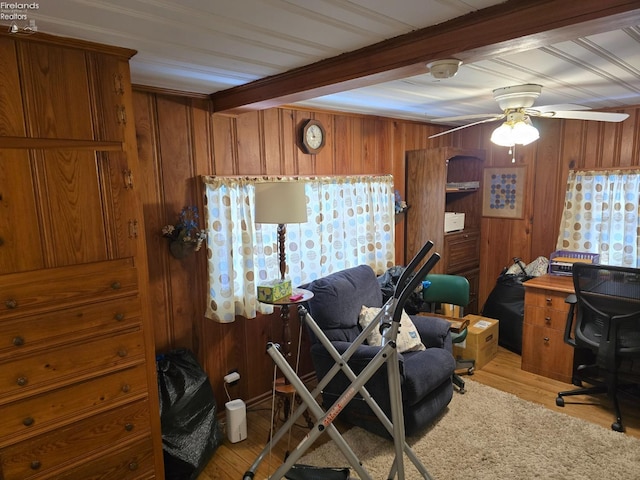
388	281
506	303
190	430
308	472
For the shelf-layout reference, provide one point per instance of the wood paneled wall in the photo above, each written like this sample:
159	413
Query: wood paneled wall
179	140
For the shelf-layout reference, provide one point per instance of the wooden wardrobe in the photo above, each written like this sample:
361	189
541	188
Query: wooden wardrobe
78	390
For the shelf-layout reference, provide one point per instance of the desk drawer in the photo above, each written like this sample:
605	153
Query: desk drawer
547	299
39	413
545	317
545	353
48	452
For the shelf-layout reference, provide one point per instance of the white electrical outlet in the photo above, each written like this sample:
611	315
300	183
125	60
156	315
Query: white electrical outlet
232	377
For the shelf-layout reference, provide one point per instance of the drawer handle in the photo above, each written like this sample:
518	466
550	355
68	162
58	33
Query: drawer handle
133	466
116	285
11	303
18	341
119	316
35	464
22	381
126	388
549	300
27	422
547	319
122	352
128	427
546	339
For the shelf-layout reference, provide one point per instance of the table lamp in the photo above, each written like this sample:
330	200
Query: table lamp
280	203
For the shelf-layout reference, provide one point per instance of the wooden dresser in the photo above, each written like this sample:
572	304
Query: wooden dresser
545	315
78	391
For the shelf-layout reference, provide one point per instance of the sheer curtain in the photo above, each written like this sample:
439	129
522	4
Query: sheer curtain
351	222
601	215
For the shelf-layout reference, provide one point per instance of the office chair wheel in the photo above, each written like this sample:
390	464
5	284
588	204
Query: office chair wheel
461	391
617	426
470	371
560	402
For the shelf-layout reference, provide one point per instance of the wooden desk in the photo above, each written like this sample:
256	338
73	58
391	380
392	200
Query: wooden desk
545	316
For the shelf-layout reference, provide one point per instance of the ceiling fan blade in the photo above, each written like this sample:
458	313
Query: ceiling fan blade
491	116
486	120
587	115
557	108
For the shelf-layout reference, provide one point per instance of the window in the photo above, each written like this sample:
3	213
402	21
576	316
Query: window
601	215
351	222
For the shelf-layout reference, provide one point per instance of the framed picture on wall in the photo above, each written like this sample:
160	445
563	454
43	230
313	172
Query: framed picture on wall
503	192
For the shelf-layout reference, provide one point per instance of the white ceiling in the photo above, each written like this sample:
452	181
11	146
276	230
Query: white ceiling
206	46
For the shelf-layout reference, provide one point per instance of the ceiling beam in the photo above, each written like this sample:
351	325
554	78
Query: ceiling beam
503	29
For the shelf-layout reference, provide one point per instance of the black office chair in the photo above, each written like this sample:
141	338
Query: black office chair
606	309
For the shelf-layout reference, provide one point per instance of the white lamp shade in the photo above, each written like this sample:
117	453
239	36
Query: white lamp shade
280	202
502	136
519	132
524	133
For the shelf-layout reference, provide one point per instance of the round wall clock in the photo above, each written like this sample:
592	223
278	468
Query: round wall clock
312	136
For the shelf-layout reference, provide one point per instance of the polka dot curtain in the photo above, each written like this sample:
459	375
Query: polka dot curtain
601	216
351	222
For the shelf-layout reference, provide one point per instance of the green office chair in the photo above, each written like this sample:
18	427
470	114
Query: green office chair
442	291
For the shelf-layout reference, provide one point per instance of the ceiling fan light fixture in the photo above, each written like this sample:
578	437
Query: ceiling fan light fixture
446	68
517	130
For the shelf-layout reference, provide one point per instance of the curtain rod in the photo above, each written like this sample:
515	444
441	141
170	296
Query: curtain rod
630	168
252	178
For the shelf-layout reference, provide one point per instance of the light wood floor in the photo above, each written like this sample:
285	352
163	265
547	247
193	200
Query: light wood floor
231	461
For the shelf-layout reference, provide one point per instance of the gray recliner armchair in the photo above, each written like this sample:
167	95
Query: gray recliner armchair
425	375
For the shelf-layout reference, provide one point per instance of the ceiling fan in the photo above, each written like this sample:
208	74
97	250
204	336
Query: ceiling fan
516	103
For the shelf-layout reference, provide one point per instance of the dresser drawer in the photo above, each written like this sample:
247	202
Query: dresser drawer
62	326
70	363
98	433
461	251
38	413
545	317
127	463
22	294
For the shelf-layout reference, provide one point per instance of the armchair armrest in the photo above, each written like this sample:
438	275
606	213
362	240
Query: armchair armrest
433	331
568	328
358	361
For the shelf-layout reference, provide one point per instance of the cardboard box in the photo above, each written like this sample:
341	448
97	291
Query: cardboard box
453	221
274	290
481	343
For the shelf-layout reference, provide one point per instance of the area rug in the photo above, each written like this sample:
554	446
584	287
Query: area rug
492	435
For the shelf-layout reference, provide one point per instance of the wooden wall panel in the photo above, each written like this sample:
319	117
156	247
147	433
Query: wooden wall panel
17	204
11	109
324	162
151	192
178	140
